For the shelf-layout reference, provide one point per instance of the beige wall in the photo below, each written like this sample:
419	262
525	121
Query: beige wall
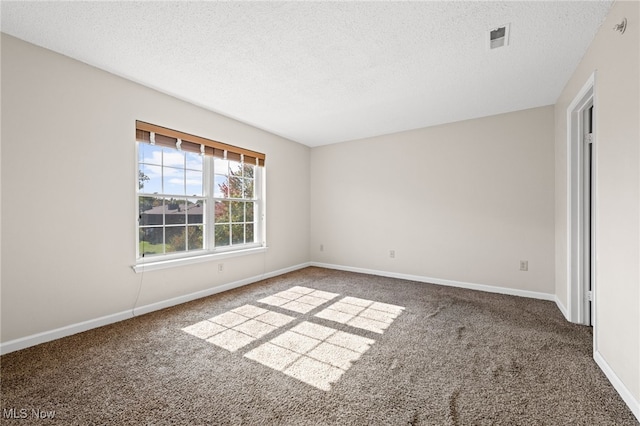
614	58
463	202
68	193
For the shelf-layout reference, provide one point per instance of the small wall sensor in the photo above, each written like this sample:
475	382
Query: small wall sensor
499	37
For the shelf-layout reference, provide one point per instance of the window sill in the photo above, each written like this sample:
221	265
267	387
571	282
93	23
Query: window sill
153	265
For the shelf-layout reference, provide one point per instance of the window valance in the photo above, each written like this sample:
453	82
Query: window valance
163	136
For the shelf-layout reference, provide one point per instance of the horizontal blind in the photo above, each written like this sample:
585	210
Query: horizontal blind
191	143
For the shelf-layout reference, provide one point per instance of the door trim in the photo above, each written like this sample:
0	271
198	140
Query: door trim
576	291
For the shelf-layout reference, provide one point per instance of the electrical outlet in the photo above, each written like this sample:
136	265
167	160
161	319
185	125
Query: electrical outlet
392	254
524	265
220	267
321	247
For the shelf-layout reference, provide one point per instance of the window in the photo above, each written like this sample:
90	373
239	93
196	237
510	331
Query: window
196	196
235	205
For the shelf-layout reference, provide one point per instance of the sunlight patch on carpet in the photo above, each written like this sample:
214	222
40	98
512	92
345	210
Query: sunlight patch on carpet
312	353
239	327
299	299
361	313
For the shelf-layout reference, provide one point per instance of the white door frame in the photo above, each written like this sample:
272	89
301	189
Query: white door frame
577	293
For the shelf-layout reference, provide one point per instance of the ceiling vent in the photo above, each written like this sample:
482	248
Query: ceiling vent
499	37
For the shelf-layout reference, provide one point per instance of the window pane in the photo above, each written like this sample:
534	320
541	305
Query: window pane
237	234
235	168
237	211
248	171
196	241
249	232
195	211
173	180
149	154
175	238
194	161
235	187
149	179
151	211
171	157
151	241
248	188
175	211
220	166
222	235
222	212
221	186
249	207
194	183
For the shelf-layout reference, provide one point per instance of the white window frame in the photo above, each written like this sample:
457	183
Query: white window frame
210	251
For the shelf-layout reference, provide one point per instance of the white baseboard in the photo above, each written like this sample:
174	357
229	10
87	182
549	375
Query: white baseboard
623	391
562	308
58	333
211	291
439	281
47	336
285	270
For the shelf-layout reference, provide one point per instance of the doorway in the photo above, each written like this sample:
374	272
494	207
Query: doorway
581	211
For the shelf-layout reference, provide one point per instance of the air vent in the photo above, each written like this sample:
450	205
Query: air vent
499	37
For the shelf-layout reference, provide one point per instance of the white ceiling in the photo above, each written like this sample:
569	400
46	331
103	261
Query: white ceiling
325	72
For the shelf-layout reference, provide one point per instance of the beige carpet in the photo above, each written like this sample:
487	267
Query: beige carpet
317	347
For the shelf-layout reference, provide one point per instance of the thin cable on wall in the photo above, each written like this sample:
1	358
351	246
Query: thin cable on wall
135	303
264	265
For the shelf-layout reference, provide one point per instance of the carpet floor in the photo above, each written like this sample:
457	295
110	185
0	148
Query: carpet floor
321	347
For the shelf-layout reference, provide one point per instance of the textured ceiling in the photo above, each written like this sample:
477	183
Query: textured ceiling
325	72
